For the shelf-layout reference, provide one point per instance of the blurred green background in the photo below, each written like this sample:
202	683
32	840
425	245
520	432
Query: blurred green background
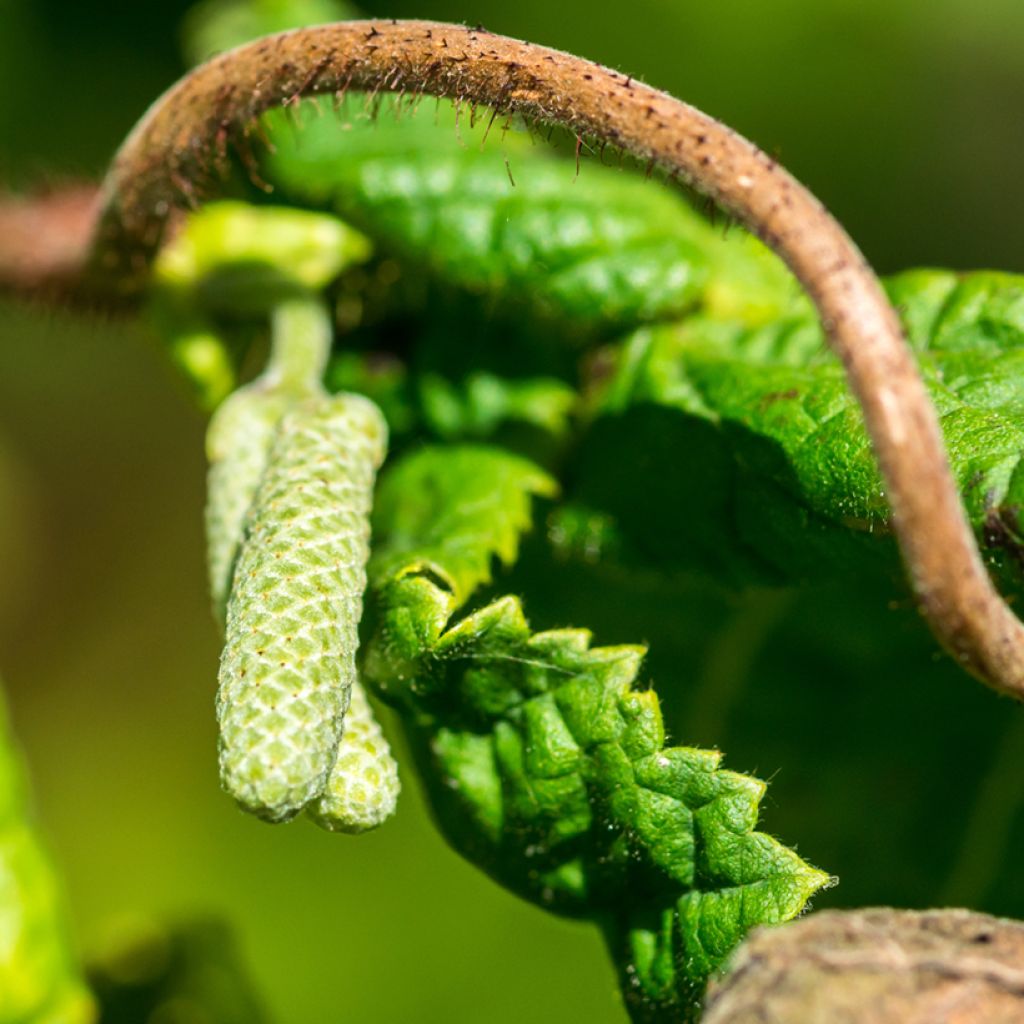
897	774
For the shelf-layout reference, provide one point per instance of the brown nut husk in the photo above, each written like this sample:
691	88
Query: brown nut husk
877	966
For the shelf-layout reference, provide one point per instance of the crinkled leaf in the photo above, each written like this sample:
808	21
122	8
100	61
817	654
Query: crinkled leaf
754	457
499	216
546	761
751	438
452	511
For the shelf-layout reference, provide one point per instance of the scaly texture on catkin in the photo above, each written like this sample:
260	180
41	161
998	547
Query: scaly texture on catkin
238	444
293	614
363	788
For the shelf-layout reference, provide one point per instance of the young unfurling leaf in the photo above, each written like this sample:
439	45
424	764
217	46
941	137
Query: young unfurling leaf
233	263
38	980
293	614
546	764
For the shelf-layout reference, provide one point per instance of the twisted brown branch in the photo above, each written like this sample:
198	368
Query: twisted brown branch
172	156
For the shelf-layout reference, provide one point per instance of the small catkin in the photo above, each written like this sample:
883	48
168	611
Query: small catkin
363	788
238	444
296	600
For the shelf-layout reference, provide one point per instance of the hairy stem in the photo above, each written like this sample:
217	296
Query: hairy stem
173	157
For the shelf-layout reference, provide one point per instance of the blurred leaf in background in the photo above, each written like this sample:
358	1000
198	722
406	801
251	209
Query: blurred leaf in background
185	974
213	26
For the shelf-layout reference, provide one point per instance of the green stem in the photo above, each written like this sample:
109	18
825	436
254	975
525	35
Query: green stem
301	338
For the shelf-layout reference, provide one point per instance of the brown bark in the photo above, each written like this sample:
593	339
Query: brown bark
876	967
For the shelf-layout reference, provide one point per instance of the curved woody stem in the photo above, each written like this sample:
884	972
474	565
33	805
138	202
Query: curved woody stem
172	158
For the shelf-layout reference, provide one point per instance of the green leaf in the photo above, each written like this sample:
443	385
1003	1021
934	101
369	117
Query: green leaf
478	405
39	979
546	763
753	438
496	215
382	379
452	510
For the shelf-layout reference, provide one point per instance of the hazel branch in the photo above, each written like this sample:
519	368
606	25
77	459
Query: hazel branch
172	159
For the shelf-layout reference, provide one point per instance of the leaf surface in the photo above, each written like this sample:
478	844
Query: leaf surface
546	758
760	419
490	213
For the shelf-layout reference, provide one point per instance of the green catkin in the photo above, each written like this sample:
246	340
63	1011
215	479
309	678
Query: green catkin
238	444
293	614
363	787
38	980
